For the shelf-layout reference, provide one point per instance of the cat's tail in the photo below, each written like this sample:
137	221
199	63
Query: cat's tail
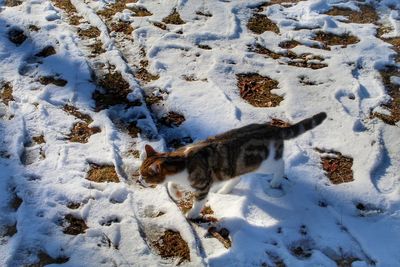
303	126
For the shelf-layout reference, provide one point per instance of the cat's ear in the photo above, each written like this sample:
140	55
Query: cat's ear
149	151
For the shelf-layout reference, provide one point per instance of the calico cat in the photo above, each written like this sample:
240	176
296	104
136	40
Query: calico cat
224	157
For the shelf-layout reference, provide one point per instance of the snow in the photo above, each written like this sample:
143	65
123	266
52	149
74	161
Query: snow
265	224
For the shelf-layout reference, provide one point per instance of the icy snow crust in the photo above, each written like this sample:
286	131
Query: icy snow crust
265	225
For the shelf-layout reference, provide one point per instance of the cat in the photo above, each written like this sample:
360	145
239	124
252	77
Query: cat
224	157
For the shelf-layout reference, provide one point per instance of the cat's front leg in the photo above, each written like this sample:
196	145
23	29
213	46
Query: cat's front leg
173	192
200	199
228	186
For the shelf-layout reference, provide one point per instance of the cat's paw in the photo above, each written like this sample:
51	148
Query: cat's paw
192	214
275	183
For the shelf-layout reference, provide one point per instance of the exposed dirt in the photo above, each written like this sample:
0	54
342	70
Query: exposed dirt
81	132
112	9
140	11
172	119
15	202
91	32
39	139
96	48
173	18
47	51
304	80
289	44
114	90
259	23
329	39
33	28
121	26
256	90
74	112
204	14
9	230
171	245
6	93
301	252
145	76
222	235
73	205
75	226
394	91
70	9
12	3
45	259
17	36
367	14
102	174
160	25
279	2
337	167
205	47
45	80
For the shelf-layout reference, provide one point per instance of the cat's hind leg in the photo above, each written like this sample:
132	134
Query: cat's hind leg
200	198
228	186
278	172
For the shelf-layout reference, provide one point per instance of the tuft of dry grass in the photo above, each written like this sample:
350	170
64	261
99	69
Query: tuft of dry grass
46	52
91	32
329	39
65	5
81	132
6	94
337	167
172	119
256	90
260	23
45	80
96	48
33	28
173	18
140	11
289	44
221	235
121	26
12	3
17	36
367	14
73	205
205	47
172	245
102	174
74	112
39	139
75	226
145	76
160	25
118	6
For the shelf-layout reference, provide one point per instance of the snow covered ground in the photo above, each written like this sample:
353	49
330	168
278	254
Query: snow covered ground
79	79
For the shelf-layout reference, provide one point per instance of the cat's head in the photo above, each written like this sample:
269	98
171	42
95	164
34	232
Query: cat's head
157	166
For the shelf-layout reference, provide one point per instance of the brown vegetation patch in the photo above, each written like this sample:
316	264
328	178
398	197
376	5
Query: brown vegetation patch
222	235
122	26
75	226
394	91
73	205
74	112
96	48
306	81
259	23
81	132
65	5
279	2
39	139
172	245
367	14
204	14
173	18
140	11
91	32
12	3
328	39
46	52
172	119
119	6
307	64
16	202
256	90
45	80
279	123
301	252
114	90
160	25
10	230
145	76
102	174
33	28
6	94
17	36
337	167
289	44
205	47
45	259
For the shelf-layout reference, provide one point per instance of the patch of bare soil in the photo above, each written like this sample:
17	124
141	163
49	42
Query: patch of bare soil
114	90
70	9
9	230
301	252
102	174
121	26
45	259
96	48
204	13
278	2
6	94
337	167
329	39
143	75
73	205
17	36
46	52
91	32
173	18
172	119
394	91
160	25
260	23
81	132
16	202
367	14
33	28
118	6
256	90
304	80
172	245
140	11
289	44
222	235
74	112
39	139
75	226
45	80
12	3
205	47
